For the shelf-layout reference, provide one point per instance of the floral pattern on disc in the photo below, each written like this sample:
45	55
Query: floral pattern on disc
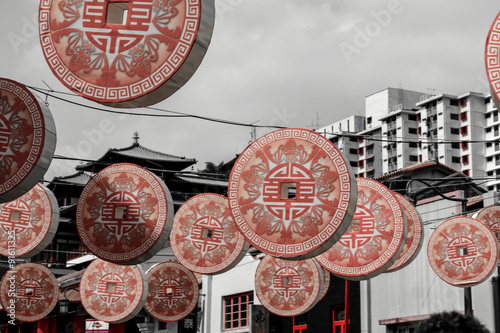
292	194
462	251
414	235
27	140
113	293
490	216
204	237
127	53
374	239
288	287
31	289
28	224
124	214
173	291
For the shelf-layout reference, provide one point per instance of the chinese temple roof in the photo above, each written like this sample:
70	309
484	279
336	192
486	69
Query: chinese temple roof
139	155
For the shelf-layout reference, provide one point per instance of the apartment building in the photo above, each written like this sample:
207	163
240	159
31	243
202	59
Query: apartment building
402	128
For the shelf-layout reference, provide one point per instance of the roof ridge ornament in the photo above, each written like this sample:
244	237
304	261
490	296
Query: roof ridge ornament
136	138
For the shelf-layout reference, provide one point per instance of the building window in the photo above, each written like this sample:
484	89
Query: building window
463	116
489	173
353	163
412	130
413	144
361	139
162	325
455	145
412	117
489	158
463	101
368	120
465	159
464	130
455	159
413	158
353	138
361	164
361	151
353	151
453	102
300	323
467	172
338	319
488	144
420	158
488	129
488	115
361	174
465	145
455	130
419	117
453	116
236	311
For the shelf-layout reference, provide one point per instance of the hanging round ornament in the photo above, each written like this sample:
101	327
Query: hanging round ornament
127	53
292	194
28	224
124	214
414	235
490	216
113	293
492	59
27	139
204	237
462	251
288	288
173	291
375	237
29	291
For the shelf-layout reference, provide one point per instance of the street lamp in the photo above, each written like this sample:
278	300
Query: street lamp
64	301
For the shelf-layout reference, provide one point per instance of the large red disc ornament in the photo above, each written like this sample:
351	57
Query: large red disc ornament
204	237
29	291
124	214
27	140
374	239
173	291
492	59
414	235
28	224
288	288
113	293
292	194
490	216
125	53
462	251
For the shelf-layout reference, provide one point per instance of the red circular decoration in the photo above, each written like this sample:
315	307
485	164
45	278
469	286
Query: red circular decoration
127	53
414	235
326	283
28	224
29	291
292	194
173	291
490	216
492	58
113	293
374	239
288	288
27	140
204	236
124	214
462	251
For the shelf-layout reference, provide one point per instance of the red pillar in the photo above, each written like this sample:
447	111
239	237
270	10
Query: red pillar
117	328
43	326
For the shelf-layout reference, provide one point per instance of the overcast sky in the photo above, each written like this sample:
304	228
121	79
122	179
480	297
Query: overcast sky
294	63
